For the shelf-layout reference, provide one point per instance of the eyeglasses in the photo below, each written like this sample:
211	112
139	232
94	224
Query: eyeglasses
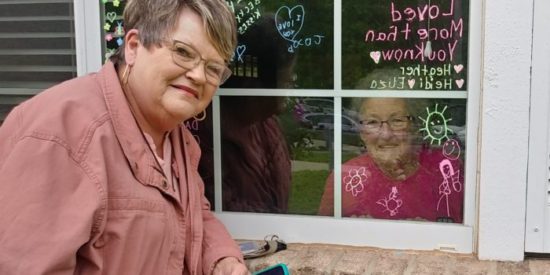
187	57
395	123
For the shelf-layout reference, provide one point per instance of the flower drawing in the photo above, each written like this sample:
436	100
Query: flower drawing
355	181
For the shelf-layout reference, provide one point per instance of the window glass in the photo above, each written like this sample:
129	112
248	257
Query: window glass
276	153
283	44
408	164
203	133
405	45
112	26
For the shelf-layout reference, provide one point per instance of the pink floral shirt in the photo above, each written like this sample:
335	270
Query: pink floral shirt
434	192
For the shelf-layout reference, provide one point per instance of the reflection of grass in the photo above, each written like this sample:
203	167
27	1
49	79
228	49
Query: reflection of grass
324	156
347	156
315	156
307	189
352	139
347	138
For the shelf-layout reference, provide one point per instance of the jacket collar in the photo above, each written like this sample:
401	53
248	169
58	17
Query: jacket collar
142	160
135	148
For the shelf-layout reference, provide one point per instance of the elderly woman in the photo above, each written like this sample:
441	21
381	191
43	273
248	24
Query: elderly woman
99	176
397	177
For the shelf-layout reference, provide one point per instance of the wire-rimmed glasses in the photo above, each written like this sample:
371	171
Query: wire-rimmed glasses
373	125
187	57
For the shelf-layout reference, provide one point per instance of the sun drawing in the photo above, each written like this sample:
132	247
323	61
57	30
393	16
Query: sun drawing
435	125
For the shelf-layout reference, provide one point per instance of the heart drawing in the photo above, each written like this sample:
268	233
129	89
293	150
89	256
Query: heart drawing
411	83
459	83
111	16
375	55
240	51
458	68
289	21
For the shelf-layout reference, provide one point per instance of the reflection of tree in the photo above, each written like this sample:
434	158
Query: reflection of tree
299	140
265	62
314	65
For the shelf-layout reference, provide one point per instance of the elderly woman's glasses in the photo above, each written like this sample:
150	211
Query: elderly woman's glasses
187	57
373	125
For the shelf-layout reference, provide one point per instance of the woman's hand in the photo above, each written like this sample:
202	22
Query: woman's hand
230	266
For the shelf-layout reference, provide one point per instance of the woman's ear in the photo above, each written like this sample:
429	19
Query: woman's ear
131	45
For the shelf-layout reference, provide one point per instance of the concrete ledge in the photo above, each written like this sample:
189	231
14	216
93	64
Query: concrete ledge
350	260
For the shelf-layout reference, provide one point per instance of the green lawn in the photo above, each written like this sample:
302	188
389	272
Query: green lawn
307	189
308	185
323	156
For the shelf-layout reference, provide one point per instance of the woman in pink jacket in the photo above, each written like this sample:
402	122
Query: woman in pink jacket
99	175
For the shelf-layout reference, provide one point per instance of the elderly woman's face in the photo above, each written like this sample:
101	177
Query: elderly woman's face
165	92
388	137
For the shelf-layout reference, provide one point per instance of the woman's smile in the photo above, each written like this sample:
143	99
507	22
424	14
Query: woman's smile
187	90
387	146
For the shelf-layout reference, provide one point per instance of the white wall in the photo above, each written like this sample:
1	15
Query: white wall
504	128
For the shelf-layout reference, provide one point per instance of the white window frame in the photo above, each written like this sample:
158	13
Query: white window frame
459	238
87	36
367	232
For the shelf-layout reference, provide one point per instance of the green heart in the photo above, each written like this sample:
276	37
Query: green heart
111	16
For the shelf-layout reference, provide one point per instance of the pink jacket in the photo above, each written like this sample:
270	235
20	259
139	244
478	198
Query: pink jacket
80	191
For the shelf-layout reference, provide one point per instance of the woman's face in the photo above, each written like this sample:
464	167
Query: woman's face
387	146
165	93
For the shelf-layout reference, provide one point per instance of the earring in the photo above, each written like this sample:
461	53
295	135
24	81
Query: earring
126	75
202	117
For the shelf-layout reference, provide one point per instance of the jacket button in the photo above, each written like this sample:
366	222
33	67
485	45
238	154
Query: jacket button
164	184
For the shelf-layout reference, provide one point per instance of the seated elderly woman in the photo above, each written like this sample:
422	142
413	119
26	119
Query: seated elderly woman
398	177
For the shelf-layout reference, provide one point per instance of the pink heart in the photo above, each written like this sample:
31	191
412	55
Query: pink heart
411	83
451	149
459	83
458	68
108	37
375	55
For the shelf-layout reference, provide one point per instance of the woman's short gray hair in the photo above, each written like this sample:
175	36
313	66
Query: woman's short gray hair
156	19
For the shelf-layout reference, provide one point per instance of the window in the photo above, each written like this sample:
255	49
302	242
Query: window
293	138
409	164
112	26
412	58
37	48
